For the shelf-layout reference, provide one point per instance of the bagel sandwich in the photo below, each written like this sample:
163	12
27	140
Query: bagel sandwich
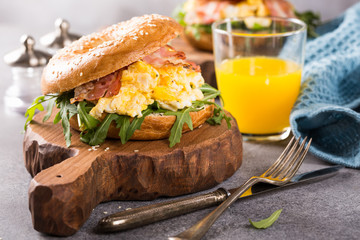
196	16
126	82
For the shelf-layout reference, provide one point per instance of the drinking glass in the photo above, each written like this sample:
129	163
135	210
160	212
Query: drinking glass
258	64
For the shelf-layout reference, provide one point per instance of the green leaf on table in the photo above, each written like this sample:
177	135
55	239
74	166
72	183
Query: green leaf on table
265	223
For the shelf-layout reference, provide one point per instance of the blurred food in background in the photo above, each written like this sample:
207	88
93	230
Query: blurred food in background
196	16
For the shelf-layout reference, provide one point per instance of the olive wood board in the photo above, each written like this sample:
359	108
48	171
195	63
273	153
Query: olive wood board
70	182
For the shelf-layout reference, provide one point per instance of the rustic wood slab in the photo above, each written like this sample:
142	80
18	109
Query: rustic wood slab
70	182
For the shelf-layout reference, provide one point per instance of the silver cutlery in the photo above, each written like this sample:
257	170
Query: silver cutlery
280	173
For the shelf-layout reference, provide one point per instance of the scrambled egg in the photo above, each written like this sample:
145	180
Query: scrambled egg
173	87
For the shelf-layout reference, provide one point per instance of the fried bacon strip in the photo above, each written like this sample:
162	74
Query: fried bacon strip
103	87
168	55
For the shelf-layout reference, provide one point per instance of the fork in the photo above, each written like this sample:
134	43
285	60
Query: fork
280	173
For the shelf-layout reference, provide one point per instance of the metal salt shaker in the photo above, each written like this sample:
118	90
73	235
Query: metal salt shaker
60	37
27	65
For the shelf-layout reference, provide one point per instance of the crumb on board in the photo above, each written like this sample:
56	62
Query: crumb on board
107	149
94	148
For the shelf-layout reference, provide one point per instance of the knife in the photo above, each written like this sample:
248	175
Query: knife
160	211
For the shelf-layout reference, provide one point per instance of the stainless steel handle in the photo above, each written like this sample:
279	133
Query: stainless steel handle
155	212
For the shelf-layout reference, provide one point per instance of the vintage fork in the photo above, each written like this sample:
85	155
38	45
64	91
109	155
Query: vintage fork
279	174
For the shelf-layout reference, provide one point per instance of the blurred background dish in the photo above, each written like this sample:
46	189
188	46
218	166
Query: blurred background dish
36	17
197	16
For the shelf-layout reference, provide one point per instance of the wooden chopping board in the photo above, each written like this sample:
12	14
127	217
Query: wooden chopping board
69	182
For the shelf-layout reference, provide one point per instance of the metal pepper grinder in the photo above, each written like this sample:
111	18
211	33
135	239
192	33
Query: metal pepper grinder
26	66
60	37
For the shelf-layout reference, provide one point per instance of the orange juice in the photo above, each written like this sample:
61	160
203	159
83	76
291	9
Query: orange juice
259	92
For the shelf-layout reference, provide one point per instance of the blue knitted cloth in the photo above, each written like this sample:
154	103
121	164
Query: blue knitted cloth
327	108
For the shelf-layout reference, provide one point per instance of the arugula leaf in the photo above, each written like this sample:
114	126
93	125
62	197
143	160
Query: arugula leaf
85	136
219	113
57	118
94	132
207	89
67	111
88	121
217	117
37	105
49	109
209	92
182	117
99	134
136	124
123	123
257	27
203	27
265	223
30	112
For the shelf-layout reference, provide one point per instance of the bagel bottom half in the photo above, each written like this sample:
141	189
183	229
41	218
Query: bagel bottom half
156	126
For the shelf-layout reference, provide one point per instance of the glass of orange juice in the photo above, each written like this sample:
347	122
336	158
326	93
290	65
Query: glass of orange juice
258	63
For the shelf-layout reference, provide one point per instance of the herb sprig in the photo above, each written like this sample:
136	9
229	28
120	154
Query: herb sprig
265	223
93	132
37	105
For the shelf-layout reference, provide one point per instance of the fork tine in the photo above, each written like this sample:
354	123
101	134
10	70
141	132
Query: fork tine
290	148
301	159
291	162
280	158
